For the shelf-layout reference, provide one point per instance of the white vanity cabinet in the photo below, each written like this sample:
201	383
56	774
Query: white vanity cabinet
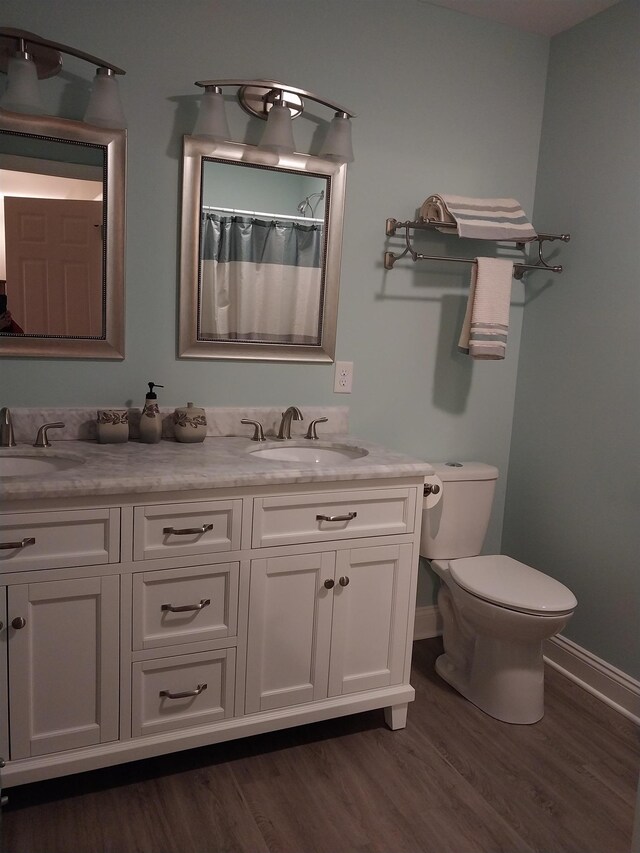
157	622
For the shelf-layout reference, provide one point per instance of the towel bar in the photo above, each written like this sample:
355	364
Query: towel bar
392	225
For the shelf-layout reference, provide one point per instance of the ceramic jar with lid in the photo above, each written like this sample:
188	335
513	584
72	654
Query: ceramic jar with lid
189	423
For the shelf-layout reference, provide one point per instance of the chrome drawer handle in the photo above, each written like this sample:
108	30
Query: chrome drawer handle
187	531
182	608
167	694
8	546
347	517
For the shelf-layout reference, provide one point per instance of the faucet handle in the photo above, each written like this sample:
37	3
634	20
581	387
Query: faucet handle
258	433
6	429
42	439
312	432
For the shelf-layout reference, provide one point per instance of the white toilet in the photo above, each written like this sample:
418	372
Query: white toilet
496	612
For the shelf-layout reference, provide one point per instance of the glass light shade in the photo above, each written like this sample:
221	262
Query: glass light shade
212	118
337	145
21	94
105	108
278	134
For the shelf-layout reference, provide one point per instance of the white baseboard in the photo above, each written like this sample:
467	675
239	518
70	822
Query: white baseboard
601	679
428	623
611	685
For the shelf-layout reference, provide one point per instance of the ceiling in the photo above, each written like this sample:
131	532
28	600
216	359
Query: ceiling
548	17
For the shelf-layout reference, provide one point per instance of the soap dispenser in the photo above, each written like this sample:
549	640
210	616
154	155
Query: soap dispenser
151	419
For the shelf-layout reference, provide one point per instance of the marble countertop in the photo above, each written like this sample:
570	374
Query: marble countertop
217	462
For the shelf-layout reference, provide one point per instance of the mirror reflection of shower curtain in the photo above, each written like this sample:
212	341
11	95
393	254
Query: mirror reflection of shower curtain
260	280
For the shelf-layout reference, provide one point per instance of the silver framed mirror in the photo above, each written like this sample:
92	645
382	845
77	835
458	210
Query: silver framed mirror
62	200
260	253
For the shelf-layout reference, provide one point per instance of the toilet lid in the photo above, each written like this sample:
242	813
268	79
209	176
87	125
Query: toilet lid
508	583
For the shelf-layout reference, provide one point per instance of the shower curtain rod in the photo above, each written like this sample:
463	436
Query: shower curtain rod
260	213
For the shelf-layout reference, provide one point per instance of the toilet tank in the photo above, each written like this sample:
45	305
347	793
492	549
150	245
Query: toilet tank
457	524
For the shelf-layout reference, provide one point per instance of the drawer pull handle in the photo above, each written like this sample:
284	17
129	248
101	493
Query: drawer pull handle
344	581
18	623
182	608
7	546
187	531
329	583
167	694
348	517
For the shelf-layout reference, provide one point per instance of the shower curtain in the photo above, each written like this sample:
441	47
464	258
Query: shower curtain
260	280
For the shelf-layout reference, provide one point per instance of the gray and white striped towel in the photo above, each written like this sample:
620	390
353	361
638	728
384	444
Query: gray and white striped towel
481	218
486	321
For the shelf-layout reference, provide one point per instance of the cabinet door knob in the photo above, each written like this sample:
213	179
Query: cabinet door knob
344	581
18	622
329	583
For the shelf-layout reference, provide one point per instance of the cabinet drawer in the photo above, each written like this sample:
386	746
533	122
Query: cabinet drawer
52	540
185	605
296	519
205	527
182	691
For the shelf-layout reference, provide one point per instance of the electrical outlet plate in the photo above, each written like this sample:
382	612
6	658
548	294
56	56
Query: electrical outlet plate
343	381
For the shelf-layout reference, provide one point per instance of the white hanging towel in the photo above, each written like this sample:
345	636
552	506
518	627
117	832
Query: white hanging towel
480	218
486	322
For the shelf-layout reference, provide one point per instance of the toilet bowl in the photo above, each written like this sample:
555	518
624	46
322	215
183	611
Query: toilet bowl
496	612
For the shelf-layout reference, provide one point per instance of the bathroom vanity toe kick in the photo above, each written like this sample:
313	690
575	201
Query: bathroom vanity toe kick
393	700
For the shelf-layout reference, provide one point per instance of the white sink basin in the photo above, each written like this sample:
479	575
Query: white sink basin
36	463
325	455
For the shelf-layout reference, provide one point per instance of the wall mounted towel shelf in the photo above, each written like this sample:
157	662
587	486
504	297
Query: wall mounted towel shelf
393	225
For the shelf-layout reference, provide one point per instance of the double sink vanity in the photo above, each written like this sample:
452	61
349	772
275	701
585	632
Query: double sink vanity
163	597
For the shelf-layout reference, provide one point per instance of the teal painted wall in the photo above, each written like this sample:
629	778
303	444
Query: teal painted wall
573	506
444	102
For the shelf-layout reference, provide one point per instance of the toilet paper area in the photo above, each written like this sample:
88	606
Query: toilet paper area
432	499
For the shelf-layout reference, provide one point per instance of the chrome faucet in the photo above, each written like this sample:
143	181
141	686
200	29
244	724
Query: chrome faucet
293	413
6	429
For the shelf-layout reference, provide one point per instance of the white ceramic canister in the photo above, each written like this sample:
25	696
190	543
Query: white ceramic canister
112	426
189	423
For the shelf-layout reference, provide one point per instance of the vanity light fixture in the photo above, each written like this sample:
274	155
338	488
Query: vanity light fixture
212	118
26	57
21	94
277	104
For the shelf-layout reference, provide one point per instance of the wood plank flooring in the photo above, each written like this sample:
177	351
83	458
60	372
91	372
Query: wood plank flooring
453	781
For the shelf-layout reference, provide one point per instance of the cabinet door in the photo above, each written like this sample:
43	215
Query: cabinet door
370	612
63	665
289	630
4	705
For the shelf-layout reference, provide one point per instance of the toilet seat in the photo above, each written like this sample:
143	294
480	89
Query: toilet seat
508	583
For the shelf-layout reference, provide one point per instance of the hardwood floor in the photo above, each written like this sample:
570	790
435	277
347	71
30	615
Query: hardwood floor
453	781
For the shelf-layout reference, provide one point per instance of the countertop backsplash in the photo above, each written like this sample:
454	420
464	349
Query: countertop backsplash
80	423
